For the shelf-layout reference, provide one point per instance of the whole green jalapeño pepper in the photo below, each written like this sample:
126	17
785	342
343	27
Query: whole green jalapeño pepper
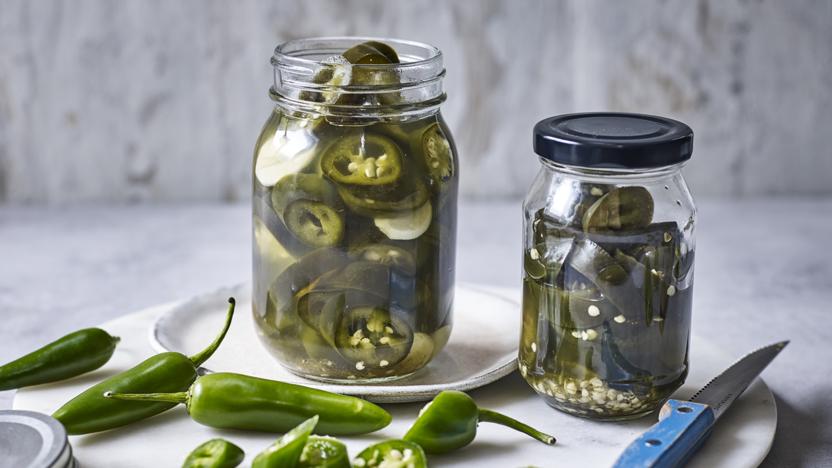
391	454
286	452
91	412
449	422
72	355
216	453
234	401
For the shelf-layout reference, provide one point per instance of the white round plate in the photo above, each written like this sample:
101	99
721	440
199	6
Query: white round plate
740	440
482	347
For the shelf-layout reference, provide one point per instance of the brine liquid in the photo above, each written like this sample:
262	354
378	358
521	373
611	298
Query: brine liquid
606	317
354	270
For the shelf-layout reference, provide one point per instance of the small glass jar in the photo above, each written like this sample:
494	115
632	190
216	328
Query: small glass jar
354	210
608	264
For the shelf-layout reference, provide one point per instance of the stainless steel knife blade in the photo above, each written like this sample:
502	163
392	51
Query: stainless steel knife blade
684	426
723	389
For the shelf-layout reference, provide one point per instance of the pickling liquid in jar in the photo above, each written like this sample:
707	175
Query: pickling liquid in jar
608	268
354	211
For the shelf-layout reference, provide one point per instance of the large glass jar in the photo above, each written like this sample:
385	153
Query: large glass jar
608	264
354	210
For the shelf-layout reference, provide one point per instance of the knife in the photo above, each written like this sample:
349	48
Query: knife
684	425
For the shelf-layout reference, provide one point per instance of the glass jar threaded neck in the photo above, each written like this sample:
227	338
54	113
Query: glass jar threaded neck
614	174
311	75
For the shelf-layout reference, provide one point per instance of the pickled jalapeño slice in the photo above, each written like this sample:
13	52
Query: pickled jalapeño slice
438	154
385	202
371	53
335	72
623	208
314	223
405	226
389	255
372	337
310	208
421	351
364	159
287	149
274	257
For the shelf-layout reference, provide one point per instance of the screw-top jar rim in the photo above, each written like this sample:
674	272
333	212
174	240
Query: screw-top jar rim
300	64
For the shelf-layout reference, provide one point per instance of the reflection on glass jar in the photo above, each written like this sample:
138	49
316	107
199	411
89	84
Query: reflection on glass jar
608	264
355	195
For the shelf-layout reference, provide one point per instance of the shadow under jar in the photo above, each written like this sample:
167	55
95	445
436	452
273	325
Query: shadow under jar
354	210
608	264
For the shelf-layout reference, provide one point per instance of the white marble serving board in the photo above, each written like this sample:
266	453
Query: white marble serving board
482	348
742	438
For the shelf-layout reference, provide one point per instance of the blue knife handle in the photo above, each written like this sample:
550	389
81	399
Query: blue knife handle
681	429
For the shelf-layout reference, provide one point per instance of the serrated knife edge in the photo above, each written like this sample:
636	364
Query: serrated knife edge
723	389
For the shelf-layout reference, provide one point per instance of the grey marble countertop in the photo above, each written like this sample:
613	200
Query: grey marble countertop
763	273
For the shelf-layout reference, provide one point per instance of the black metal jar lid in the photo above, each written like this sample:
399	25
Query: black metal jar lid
613	140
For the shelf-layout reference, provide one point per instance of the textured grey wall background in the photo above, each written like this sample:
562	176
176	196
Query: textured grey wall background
162	100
